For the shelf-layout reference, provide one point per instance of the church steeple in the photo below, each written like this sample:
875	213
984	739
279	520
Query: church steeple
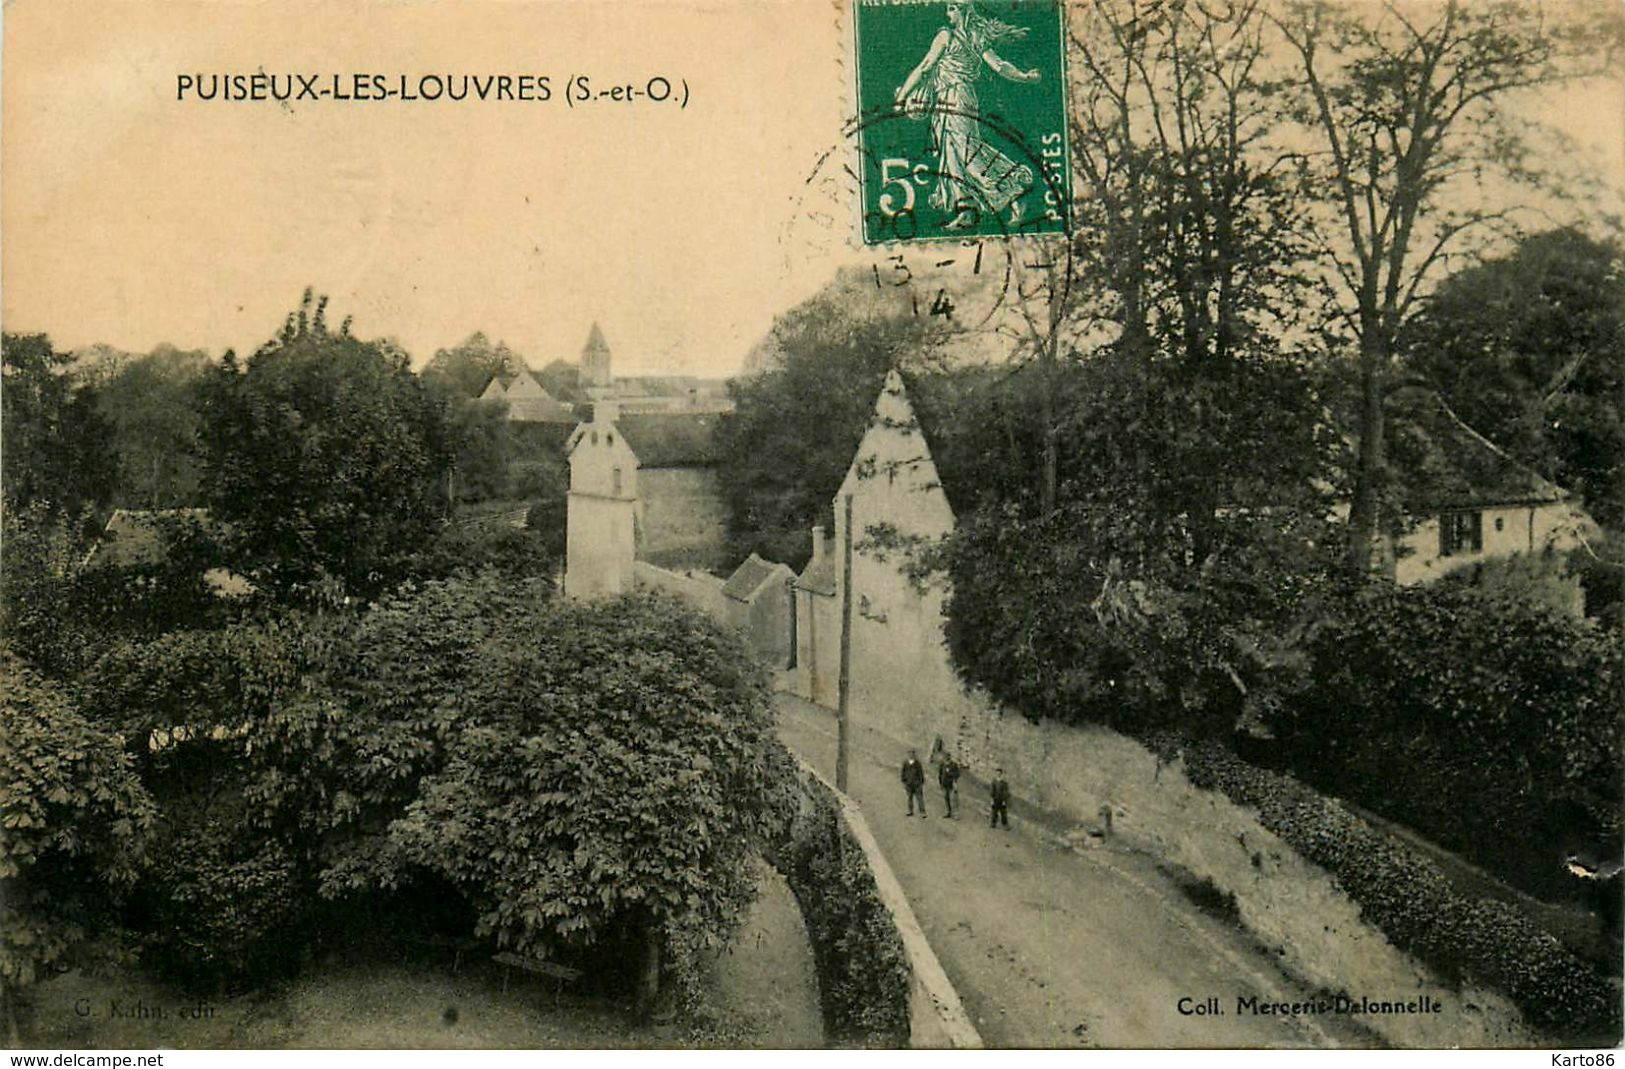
595	369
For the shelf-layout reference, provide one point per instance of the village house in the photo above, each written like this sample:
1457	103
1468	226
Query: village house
685	517
817	623
527	400
602	522
135	538
760	604
1469	503
898	658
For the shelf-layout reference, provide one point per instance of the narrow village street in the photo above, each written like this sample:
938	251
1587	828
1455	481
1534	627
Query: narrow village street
1049	946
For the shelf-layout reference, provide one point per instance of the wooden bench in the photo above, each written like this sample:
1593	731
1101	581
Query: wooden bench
537	966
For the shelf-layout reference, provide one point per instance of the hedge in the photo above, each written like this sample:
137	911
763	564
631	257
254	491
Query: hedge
863	971
1408	898
1491	726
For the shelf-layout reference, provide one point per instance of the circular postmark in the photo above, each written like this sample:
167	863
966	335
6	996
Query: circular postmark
990	274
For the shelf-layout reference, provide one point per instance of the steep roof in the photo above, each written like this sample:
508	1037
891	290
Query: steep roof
136	536
751	576
819	574
595	341
672	439
524	385
1445	464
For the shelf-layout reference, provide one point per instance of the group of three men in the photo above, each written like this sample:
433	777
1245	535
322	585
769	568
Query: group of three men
948	780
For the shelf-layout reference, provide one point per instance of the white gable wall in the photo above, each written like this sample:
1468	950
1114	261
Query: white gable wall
901	678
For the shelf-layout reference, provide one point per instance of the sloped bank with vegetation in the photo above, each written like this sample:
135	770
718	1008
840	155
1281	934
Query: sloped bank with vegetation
1408	898
863	971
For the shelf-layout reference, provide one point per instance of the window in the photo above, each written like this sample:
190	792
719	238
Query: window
615	481
1460	533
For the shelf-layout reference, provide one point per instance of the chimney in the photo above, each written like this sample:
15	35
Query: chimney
818	544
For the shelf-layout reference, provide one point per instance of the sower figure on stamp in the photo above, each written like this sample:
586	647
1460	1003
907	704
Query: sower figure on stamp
914	782
972	174
1001	800
948	778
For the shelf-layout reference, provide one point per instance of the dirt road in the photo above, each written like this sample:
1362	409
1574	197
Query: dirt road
1053	947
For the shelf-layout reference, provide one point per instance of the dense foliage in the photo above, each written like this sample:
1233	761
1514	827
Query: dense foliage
788	443
580	770
77	823
57	446
228	897
578	775
1529	349
326	457
1491	725
1182	558
60	608
150	401
863	972
468	367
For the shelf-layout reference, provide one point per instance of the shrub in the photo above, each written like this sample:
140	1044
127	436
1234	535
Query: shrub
1491	725
229	730
573	770
61	613
512	552
228	909
77	823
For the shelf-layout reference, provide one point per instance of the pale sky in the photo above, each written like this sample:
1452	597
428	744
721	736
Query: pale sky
132	218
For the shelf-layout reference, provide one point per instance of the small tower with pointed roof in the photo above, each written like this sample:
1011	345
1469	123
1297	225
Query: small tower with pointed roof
596	375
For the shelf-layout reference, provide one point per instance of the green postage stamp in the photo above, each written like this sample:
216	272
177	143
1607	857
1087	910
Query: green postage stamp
961	119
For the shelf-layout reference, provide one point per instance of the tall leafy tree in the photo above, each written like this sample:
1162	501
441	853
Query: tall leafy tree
325	455
1409	108
1186	249
1529	349
469	366
796	425
57	447
149	400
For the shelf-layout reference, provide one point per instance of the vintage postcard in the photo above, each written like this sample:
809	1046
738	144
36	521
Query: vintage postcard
810	524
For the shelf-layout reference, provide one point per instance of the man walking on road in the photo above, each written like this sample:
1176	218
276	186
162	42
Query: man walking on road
914	782
947	777
1001	800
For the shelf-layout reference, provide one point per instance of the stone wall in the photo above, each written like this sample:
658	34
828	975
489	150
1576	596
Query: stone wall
684	521
864	931
699	589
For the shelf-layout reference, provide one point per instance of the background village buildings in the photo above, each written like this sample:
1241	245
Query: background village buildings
1478	506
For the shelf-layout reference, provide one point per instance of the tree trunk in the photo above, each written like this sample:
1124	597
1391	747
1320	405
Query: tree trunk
1364	521
1046	415
649	981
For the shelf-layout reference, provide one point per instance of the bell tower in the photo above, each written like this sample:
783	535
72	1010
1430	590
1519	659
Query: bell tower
596	375
601	522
